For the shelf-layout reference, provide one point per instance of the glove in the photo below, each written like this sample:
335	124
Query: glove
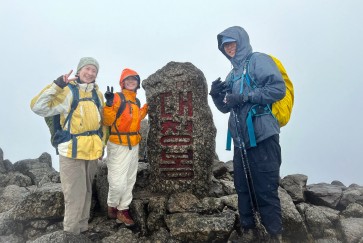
60	82
233	100
109	96
217	88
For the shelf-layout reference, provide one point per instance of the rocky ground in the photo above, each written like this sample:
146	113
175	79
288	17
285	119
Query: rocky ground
32	206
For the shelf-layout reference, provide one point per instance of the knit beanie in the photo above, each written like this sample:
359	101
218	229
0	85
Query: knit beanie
87	61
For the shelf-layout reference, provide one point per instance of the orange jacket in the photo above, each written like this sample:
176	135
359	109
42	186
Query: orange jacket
128	122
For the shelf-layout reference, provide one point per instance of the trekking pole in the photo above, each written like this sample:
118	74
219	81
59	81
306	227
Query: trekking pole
262	232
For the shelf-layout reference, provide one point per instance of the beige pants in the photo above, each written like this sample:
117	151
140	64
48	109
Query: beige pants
122	166
76	178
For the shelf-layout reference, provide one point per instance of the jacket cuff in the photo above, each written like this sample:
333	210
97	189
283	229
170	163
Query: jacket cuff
59	81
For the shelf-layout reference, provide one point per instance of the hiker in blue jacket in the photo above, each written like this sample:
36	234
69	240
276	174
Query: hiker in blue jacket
264	159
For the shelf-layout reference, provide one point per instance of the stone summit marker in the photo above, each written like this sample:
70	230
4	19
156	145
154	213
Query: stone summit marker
181	139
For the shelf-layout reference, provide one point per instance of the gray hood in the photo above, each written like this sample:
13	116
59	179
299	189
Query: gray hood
243	44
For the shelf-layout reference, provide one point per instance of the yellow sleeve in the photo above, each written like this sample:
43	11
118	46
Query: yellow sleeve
52	100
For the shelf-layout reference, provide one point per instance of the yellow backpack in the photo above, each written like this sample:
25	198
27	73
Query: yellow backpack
282	109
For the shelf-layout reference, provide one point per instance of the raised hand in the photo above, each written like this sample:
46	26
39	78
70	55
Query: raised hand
63	80
109	96
66	78
217	88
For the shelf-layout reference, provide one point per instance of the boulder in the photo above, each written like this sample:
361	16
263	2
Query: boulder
323	194
36	169
293	224
192	227
353	194
352	229
182	134
295	185
46	202
10	196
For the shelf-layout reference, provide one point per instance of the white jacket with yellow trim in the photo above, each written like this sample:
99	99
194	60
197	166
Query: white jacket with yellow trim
53	100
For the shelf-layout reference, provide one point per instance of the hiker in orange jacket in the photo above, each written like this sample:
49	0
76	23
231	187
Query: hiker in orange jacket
123	144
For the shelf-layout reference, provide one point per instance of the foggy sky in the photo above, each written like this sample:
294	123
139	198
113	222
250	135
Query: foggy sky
319	42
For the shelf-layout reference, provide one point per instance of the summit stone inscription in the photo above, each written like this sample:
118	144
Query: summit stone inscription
181	139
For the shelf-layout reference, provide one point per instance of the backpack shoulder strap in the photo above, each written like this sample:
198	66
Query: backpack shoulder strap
96	98
246	71
122	105
74	104
138	103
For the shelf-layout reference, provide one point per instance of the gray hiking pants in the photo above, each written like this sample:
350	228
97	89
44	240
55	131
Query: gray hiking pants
76	177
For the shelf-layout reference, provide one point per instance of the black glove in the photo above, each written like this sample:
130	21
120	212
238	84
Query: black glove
60	82
233	100
109	96
217	88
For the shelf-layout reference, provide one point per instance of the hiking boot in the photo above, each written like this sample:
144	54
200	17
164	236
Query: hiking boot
112	212
123	216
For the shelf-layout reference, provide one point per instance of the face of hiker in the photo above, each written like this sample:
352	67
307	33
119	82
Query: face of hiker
130	83
88	74
230	48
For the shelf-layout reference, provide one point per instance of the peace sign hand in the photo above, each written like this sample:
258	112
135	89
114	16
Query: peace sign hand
63	80
109	96
66	78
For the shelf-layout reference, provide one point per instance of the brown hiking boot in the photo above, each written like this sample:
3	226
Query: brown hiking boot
123	216
112	212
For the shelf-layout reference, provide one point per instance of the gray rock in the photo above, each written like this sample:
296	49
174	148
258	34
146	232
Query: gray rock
123	235
144	130
8	226
157	212
11	238
337	183
39	224
354	210
231	201
293	223
210	205
36	169
352	229
160	236
353	194
229	165
10	196
8	165
216	188
324	194
139	215
183	202
62	237
15	178
46	202
2	166
295	185
53	177
142	178
102	185
228	187
320	220
328	240
219	169
182	134
192	227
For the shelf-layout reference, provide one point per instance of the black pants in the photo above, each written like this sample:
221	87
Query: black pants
264	161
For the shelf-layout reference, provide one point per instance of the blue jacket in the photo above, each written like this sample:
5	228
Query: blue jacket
270	87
